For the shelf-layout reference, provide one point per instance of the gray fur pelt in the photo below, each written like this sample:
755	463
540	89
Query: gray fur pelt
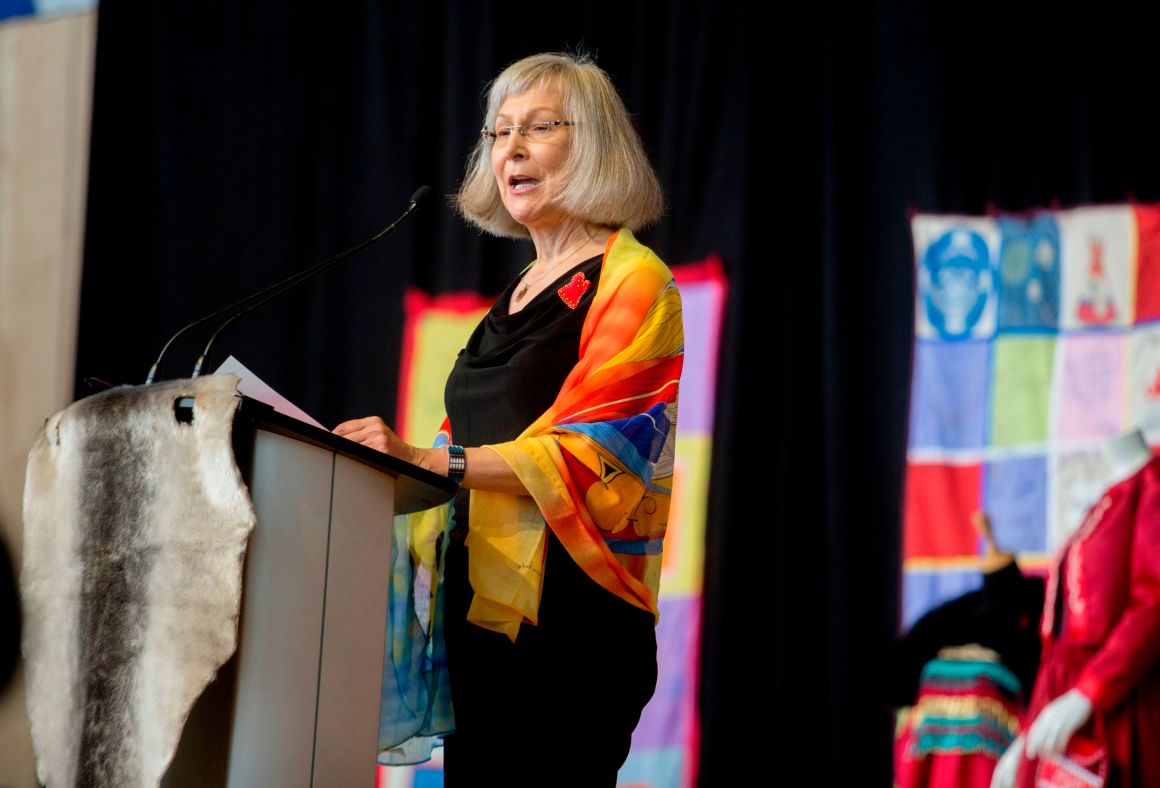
135	528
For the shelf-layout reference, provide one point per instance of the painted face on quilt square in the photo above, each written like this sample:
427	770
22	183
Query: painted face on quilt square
527	169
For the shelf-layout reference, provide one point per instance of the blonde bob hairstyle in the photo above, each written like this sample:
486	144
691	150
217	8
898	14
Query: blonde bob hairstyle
607	178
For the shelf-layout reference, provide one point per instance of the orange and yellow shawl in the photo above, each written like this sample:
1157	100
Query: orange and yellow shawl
599	463
598	466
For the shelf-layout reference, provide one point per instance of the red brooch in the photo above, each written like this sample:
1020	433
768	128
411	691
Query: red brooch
570	293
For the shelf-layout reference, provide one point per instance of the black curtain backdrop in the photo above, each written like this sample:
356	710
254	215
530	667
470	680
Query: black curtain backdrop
234	144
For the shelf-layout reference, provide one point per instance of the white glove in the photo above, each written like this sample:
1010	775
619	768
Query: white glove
1054	726
1008	766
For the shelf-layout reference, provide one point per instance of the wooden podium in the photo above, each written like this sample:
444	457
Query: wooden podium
298	704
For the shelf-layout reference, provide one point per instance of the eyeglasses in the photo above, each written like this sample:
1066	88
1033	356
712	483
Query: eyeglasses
536	132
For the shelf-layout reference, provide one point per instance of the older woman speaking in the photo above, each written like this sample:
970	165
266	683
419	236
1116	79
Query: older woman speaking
541	576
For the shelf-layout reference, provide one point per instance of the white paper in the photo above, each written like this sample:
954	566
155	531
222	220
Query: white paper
255	388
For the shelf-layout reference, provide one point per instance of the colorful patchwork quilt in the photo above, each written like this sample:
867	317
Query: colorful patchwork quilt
1037	339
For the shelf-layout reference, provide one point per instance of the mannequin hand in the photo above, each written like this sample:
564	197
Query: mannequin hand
1008	766
1057	722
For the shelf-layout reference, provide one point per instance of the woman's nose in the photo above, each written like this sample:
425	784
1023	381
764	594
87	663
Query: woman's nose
516	147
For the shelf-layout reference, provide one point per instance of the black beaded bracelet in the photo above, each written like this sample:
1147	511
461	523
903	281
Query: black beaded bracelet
456	463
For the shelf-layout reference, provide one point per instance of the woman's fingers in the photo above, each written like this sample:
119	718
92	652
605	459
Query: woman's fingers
356	425
370	431
374	433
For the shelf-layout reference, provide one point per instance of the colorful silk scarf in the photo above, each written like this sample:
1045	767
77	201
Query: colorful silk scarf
599	463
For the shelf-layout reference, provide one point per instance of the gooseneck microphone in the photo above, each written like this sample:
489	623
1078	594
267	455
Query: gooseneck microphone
255	300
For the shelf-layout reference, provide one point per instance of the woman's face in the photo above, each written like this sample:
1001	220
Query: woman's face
526	170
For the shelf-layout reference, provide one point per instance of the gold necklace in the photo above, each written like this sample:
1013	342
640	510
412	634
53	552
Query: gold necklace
524	284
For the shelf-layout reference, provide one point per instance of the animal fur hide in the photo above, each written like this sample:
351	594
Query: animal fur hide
135	528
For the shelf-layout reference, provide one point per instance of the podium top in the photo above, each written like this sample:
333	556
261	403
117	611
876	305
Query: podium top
416	488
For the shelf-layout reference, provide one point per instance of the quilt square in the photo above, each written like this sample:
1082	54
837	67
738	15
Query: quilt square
1090	387
956	259
949	395
1144	381
654	769
1029	273
1076	480
682	562
1015	498
1147	262
668	718
434	330
1021	392
939	501
1097	254
924	591
702	289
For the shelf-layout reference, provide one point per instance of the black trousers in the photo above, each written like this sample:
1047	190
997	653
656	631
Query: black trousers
558	706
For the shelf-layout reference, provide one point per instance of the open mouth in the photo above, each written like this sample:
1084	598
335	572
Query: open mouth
522	183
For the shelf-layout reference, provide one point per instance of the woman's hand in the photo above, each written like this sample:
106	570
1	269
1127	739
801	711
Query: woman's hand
486	470
374	433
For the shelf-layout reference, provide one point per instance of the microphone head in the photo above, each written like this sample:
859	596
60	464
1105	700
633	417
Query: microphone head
420	194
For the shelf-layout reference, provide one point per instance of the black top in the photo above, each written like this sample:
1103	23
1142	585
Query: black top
513	365
507	376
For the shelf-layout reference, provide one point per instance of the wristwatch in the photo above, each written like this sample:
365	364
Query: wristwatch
456	463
